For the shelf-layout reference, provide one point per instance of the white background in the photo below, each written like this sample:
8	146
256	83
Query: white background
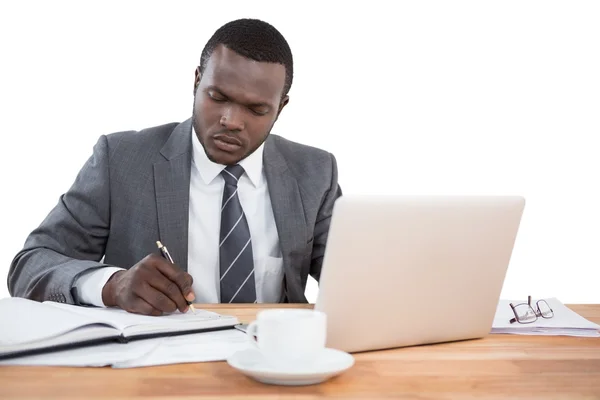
415	97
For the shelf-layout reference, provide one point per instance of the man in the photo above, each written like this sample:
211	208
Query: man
244	214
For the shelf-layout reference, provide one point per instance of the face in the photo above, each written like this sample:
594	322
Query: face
236	103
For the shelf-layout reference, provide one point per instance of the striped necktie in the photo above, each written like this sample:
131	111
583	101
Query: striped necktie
235	245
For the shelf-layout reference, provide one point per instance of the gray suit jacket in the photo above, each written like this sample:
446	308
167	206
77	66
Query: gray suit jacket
134	190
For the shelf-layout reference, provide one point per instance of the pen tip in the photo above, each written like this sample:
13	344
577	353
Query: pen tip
159	244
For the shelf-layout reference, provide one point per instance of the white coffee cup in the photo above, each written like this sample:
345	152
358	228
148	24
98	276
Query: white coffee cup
289	338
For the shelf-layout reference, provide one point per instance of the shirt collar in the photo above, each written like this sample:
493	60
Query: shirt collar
208	170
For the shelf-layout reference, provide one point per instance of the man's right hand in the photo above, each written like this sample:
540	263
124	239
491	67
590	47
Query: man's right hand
150	287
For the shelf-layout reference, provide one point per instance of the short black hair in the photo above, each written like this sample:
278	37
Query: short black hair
253	39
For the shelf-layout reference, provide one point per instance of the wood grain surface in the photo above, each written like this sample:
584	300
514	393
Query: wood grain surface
495	367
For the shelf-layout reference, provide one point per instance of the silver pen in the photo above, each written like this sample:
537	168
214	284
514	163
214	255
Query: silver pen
165	253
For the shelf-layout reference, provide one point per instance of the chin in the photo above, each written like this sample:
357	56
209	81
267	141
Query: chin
221	157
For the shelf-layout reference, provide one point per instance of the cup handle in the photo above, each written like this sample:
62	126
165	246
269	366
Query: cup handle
251	332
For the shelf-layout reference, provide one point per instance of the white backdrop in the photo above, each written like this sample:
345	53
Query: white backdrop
461	97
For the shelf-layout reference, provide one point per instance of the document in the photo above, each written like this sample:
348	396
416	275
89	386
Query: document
100	355
195	347
210	346
30	327
565	321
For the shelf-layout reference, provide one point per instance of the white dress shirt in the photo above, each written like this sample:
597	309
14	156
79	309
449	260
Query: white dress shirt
206	192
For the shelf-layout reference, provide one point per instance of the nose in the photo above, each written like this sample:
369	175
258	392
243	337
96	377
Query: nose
232	119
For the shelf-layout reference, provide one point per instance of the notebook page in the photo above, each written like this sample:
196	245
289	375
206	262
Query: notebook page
25	321
143	323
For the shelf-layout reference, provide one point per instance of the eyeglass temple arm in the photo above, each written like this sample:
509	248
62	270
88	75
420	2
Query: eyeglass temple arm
513	320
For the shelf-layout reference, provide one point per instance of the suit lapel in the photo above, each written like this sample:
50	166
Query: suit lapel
172	190
288	209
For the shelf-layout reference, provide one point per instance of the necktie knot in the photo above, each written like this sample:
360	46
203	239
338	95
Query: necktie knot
232	174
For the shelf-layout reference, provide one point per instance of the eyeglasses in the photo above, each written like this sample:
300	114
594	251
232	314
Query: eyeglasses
526	314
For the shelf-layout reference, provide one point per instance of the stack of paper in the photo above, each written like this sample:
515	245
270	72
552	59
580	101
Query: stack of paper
565	321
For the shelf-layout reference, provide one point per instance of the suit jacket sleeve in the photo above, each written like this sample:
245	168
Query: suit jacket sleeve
323	220
72	238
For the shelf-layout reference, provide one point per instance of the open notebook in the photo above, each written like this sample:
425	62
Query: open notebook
30	327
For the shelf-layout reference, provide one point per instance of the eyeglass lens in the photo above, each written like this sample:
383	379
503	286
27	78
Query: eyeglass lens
525	313
544	309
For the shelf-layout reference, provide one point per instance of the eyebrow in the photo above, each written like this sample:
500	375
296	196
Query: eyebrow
258	104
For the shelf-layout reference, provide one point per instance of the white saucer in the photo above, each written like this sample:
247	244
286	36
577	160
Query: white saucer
251	363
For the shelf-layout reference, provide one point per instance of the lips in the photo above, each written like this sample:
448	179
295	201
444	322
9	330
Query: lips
228	139
226	143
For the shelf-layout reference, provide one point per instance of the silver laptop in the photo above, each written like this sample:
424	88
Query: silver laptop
410	270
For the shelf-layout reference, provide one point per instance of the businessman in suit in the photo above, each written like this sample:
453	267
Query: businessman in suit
244	213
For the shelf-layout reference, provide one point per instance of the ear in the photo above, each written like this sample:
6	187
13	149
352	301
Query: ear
197	77
282	103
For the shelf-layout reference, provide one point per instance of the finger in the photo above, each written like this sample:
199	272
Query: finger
164	285
181	278
140	306
155	298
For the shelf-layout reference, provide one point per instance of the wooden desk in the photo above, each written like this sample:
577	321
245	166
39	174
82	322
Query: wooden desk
498	366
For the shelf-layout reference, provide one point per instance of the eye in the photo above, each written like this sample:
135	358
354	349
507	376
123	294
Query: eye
219	98
260	111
